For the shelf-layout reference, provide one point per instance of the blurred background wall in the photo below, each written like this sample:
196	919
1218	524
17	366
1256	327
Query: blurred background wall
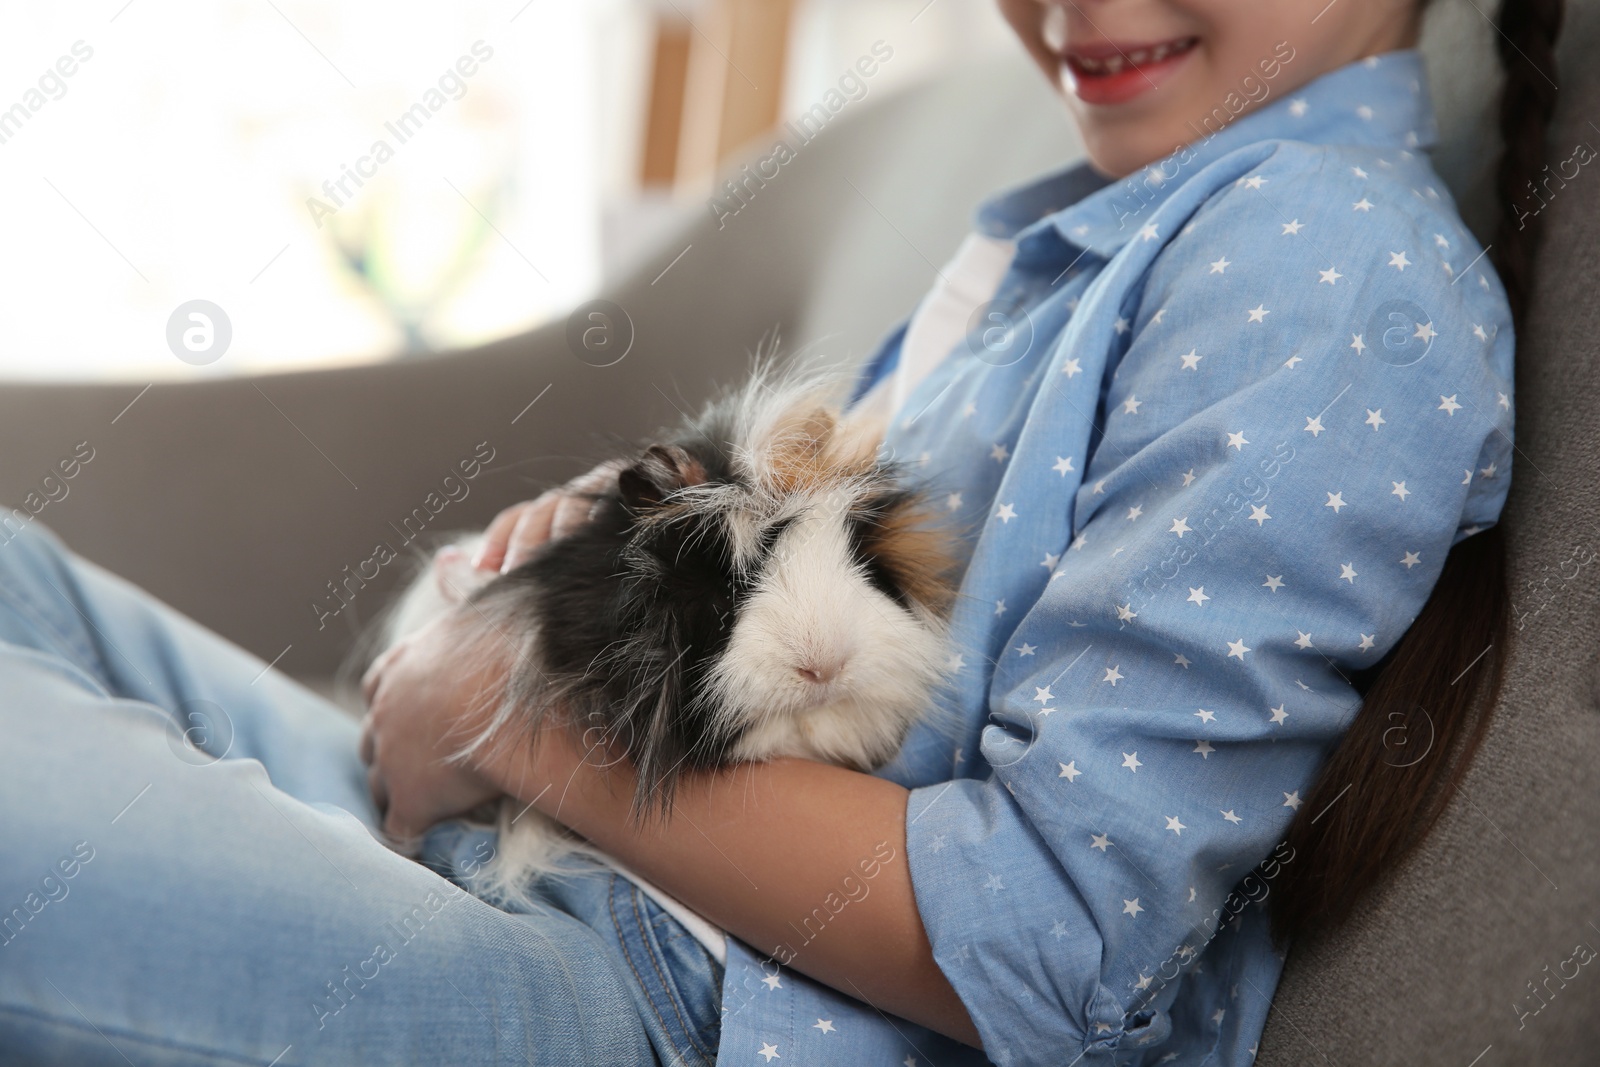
371	179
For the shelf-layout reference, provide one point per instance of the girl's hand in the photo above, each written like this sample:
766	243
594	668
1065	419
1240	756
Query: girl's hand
521	528
423	708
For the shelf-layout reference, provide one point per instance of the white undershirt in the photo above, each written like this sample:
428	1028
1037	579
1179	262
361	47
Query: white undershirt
941	321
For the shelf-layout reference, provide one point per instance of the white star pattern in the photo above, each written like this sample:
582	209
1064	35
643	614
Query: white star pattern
769	1052
1113	627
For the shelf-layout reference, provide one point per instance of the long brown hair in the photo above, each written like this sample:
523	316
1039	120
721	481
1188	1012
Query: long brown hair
1426	705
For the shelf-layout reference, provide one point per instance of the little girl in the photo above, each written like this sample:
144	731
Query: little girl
1227	413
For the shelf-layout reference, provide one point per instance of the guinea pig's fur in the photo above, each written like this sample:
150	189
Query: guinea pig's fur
759	584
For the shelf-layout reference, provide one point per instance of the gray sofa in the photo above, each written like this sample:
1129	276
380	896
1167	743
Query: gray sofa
239	500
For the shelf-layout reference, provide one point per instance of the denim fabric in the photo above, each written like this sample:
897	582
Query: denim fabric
188	874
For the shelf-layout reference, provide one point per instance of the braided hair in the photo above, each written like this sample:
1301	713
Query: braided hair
1375	800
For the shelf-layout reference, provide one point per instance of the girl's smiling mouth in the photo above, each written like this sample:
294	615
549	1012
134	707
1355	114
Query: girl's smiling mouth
1110	73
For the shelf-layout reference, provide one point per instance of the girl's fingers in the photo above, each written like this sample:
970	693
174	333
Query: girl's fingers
368	746
531	531
492	552
520	529
380	795
369	680
571	512
577	507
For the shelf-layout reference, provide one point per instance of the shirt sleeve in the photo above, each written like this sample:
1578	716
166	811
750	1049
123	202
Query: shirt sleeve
1311	406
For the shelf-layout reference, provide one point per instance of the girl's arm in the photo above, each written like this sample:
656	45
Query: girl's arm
758	849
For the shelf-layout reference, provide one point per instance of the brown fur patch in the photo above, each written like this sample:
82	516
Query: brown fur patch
810	451
918	552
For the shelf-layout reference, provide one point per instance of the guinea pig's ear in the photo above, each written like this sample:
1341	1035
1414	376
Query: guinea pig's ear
662	470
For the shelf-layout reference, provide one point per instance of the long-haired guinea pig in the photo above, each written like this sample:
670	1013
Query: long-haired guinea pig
759	584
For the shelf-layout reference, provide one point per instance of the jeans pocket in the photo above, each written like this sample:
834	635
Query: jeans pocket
680	980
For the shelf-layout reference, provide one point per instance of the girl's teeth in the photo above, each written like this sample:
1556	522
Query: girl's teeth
1114	65
1139	57
1161	52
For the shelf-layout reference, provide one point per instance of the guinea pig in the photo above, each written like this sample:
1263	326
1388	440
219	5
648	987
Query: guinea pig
760	583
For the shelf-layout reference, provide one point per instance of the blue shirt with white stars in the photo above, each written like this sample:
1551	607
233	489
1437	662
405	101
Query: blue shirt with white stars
1245	402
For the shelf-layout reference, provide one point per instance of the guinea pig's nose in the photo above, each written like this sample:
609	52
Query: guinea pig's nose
819	672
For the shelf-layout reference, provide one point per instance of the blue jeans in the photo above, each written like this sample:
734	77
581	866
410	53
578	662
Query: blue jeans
188	874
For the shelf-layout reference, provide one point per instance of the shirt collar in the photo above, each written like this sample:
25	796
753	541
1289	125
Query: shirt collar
1381	101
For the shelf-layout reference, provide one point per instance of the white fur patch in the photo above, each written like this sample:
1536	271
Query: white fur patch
821	664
